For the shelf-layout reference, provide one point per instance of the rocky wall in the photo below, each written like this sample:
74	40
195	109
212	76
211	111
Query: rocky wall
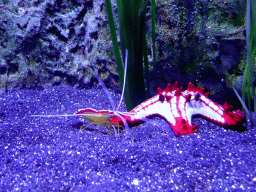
53	42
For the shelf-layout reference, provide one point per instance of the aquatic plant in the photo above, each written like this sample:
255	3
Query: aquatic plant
248	90
132	32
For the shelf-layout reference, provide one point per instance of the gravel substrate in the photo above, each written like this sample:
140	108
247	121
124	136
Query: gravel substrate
53	154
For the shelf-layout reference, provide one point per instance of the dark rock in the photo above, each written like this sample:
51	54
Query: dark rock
218	36
72	32
3	70
71	80
13	67
81	32
60	72
215	46
230	54
94	35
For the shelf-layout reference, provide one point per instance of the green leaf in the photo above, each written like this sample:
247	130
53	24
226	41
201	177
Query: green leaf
132	31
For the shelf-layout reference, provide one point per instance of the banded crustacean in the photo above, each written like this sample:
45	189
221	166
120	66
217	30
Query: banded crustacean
101	117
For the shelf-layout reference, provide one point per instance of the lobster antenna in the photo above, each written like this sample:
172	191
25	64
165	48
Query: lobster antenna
241	100
105	89
125	70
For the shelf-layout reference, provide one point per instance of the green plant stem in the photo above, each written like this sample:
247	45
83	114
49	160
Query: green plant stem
117	53
248	46
131	16
132	31
153	18
114	41
248	91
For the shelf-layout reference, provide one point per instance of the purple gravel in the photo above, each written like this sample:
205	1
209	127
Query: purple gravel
52	154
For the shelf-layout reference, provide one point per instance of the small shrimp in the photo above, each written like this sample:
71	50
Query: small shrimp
103	117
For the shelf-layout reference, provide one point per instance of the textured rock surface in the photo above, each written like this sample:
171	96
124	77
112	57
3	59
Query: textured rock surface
54	41
51	154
